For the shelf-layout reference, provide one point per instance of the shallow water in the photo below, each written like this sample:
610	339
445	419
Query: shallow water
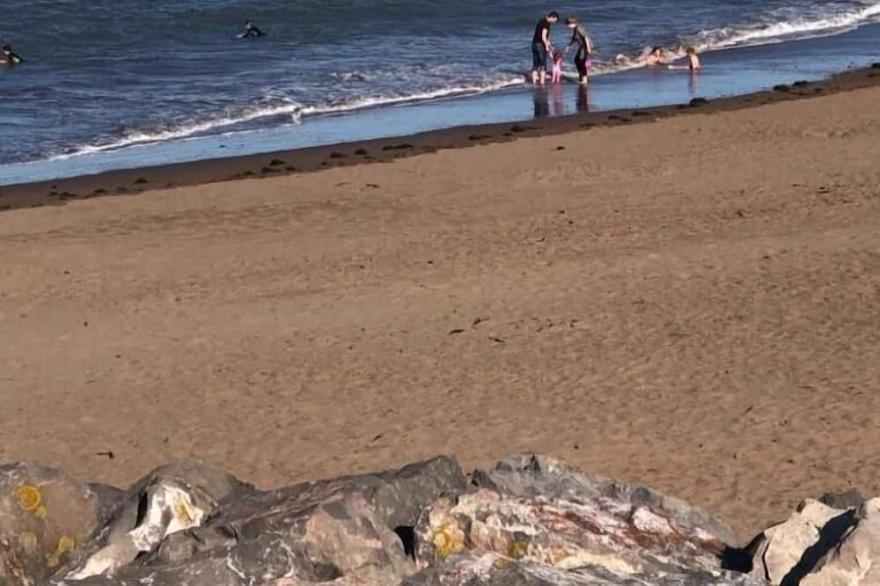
102	74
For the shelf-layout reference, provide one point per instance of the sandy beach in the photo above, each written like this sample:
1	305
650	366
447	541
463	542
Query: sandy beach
691	303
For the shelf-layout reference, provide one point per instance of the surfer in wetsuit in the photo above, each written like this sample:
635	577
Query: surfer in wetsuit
251	31
541	47
10	57
581	38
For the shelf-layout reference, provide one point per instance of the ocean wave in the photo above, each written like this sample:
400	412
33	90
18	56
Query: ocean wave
819	25
767	33
424	96
143	137
295	110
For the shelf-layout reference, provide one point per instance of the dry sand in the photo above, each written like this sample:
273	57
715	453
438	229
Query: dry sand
693	304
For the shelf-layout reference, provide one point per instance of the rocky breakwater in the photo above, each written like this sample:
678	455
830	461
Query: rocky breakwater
530	521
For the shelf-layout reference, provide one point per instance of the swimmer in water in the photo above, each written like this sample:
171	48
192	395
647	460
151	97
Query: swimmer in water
656	57
693	65
10	57
251	31
694	59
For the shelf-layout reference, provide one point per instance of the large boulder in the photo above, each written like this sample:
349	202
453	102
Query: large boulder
855	558
45	517
786	552
490	569
531	521
190	525
534	521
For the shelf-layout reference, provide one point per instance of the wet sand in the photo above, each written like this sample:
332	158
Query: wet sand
692	303
307	160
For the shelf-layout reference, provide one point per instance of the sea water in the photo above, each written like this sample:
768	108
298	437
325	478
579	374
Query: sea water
105	75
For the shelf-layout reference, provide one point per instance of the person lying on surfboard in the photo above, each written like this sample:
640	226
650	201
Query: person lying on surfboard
9	57
251	31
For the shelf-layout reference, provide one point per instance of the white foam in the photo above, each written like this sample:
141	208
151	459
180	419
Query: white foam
437	94
763	34
186	130
294	110
784	30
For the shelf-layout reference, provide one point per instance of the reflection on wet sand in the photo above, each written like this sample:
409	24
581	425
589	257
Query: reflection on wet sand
583	99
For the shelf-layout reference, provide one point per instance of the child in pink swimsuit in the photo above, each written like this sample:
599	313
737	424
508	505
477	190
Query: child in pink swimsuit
558	56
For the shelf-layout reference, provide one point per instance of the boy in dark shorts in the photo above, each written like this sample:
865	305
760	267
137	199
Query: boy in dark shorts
541	47
580	38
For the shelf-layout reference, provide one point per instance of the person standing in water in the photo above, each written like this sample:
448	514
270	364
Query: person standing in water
10	57
580	38
541	47
693	65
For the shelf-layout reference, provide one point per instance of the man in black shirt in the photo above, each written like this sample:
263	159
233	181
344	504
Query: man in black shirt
541	47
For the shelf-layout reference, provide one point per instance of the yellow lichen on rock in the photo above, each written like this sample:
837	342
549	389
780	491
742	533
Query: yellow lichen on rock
184	511
28	497
518	550
448	539
65	546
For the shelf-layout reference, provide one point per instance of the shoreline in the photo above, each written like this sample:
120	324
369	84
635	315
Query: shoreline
305	160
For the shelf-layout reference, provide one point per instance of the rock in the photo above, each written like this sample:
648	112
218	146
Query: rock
495	570
191	525
843	500
531	521
542	476
697	102
554	524
787	552
169	500
44	517
850	557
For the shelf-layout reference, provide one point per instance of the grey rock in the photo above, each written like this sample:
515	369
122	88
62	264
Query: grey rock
850	499
556	524
44	517
535	475
493	570
192	525
531	521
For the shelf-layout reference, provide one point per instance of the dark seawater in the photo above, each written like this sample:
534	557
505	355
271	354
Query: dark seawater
105	74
